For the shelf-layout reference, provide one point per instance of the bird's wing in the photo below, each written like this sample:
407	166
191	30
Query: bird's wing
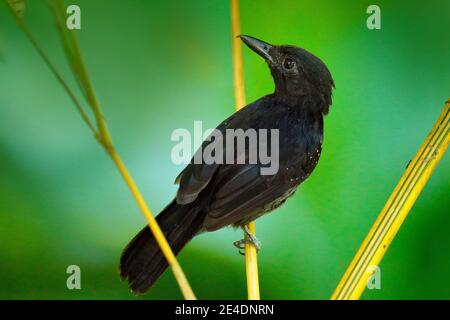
241	191
196	176
193	179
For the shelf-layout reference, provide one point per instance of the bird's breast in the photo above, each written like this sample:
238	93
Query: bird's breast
300	150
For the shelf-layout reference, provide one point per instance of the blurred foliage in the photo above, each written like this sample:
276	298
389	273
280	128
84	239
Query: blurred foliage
158	66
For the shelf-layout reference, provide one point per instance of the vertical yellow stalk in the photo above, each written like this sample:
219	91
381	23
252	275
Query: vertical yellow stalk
395	211
251	261
101	132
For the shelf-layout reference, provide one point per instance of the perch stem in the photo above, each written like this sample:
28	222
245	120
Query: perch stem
251	259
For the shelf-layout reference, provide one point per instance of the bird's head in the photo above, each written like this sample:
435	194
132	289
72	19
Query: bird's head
296	72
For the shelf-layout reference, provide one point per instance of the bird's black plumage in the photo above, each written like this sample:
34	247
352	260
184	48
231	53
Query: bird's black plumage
213	196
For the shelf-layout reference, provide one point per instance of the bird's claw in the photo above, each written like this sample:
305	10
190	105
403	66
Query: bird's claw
240	244
249	238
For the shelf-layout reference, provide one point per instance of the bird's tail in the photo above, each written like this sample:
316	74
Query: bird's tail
142	261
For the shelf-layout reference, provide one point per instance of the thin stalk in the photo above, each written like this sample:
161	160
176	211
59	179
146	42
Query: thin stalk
395	210
251	259
104	138
52	68
71	44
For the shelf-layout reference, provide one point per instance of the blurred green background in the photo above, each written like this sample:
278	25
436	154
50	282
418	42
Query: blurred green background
158	66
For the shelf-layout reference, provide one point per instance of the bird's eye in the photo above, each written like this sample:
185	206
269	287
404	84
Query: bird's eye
288	63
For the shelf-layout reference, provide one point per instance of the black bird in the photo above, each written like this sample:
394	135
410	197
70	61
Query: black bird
213	196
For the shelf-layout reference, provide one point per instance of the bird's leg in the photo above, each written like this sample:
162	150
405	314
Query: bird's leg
252	239
249	238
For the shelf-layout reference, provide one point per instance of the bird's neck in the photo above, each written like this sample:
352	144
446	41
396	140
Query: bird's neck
302	94
305	101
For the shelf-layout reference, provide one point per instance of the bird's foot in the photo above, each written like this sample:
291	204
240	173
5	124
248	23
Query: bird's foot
249	238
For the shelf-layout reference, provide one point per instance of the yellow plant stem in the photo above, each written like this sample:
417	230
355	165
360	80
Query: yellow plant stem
238	64
104	138
251	261
395	211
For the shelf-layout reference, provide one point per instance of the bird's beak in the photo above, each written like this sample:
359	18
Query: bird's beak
260	47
